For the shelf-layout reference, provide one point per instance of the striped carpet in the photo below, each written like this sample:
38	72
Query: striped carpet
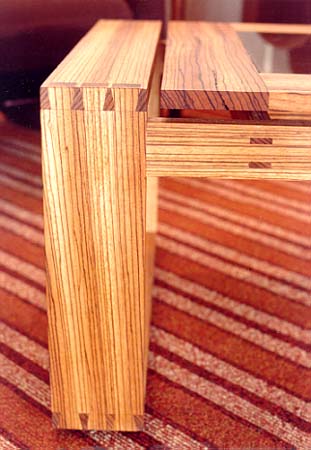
229	364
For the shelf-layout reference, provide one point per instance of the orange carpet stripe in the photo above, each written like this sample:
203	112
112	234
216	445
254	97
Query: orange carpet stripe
227	372
20	185
24	317
246	209
21	228
245	313
280	190
27	270
24	420
9	442
268	199
276	280
23	144
235	193
251	228
22	248
24	346
10	130
241	408
20	152
230	240
234	350
20	163
20	175
191	411
21	199
276	345
21	214
263	300
24	289
172	435
296	188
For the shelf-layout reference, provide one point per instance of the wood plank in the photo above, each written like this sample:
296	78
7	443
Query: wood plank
95	207
289	95
264	150
113	54
207	67
152	198
281	28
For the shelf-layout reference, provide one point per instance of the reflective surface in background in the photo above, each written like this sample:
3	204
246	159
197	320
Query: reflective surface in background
279	53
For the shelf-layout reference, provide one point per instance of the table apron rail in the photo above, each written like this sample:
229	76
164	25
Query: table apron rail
181	148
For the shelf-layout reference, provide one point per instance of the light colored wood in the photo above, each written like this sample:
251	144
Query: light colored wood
112	54
151	231
289	95
152	198
93	137
289	99
282	28
184	147
207	67
152	205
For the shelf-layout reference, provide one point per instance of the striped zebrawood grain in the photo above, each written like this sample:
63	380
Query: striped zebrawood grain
207	67
113	54
289	95
152	186
93	137
181	147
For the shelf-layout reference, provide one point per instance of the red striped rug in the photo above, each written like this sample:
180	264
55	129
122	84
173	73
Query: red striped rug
229	364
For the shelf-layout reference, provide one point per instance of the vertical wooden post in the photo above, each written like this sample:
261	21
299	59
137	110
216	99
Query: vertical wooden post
93	116
94	203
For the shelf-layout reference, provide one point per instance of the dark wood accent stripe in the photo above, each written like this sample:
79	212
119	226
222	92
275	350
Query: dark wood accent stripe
259	165
261	141
109	101
77	100
44	98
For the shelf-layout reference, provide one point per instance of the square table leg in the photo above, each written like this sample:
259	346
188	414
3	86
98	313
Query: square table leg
94	218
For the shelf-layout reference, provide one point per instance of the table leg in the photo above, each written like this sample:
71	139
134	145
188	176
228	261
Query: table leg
94	218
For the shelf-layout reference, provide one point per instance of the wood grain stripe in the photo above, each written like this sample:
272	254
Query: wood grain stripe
207	67
263	141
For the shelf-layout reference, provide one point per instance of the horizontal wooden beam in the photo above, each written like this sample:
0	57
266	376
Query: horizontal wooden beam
286	28
257	150
289	95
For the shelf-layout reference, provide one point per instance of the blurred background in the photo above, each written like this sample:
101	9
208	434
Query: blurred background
35	36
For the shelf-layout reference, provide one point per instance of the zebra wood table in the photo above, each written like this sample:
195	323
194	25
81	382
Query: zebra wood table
104	145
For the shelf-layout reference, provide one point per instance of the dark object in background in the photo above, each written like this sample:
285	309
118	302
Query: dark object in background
284	11
35	37
277	11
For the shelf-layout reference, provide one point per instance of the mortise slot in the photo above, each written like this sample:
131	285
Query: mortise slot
259	165
264	141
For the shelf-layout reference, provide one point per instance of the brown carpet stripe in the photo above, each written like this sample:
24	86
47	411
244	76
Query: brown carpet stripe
229	365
